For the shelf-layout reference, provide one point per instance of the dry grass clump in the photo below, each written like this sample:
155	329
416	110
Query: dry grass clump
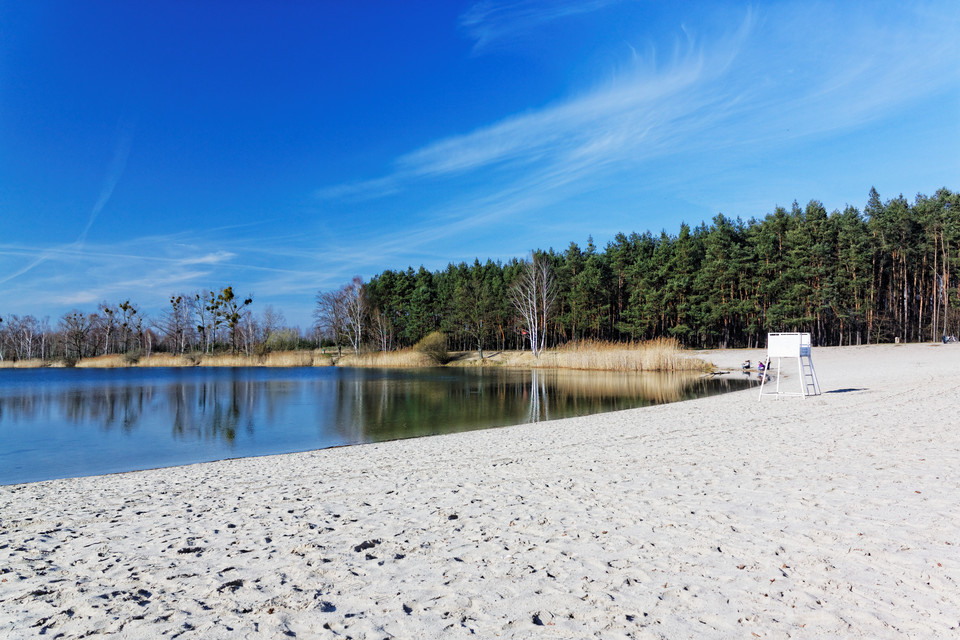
167	360
227	360
434	346
293	358
662	354
112	361
404	358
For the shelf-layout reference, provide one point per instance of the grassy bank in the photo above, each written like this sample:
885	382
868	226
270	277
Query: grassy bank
590	355
655	355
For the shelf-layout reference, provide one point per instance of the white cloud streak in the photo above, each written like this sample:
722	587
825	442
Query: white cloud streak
114	171
489	21
788	74
118	163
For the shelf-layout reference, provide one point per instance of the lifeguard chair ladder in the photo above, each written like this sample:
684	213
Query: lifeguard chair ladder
791	345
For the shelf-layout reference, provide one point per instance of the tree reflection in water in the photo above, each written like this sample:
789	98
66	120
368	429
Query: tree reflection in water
373	406
164	417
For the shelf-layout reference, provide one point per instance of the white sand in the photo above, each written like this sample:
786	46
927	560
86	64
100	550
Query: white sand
723	518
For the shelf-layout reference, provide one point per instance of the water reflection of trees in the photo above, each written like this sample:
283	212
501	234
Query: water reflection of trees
212	410
108	407
387	407
221	409
539	398
408	405
195	410
350	407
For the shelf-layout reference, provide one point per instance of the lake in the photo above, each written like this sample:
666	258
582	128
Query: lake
61	423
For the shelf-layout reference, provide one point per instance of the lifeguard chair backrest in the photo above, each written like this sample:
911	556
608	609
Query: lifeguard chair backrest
788	345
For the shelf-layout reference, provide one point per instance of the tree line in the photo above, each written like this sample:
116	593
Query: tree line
206	321
889	272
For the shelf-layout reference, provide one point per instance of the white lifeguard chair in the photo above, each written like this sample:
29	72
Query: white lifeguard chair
791	345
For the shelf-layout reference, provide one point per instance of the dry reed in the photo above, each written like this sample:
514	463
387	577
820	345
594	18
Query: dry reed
168	360
302	358
113	361
404	358
662	354
33	363
594	355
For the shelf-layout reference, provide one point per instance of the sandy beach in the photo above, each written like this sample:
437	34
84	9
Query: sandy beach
725	517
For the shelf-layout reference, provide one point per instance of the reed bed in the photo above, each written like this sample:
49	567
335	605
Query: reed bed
168	360
113	361
304	358
228	360
594	355
403	358
33	363
662	354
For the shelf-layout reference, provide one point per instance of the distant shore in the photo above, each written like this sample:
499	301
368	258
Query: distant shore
827	516
652	356
301	358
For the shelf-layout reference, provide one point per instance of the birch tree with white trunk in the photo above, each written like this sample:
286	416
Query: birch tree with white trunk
355	302
533	296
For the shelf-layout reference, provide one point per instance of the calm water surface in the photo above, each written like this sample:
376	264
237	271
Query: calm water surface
60	423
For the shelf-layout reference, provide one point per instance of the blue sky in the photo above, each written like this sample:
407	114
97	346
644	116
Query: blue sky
148	149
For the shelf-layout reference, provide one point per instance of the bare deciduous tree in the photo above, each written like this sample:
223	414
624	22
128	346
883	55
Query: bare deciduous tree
175	324
340	314
231	309
25	332
213	310
131	322
107	325
331	317
533	295
355	299
75	327
198	304
383	328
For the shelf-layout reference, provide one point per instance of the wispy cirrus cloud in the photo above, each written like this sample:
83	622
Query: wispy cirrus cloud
210	258
781	76
118	163
147	269
490	21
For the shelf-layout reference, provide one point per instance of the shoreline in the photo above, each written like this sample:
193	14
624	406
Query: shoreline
721	517
654	355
